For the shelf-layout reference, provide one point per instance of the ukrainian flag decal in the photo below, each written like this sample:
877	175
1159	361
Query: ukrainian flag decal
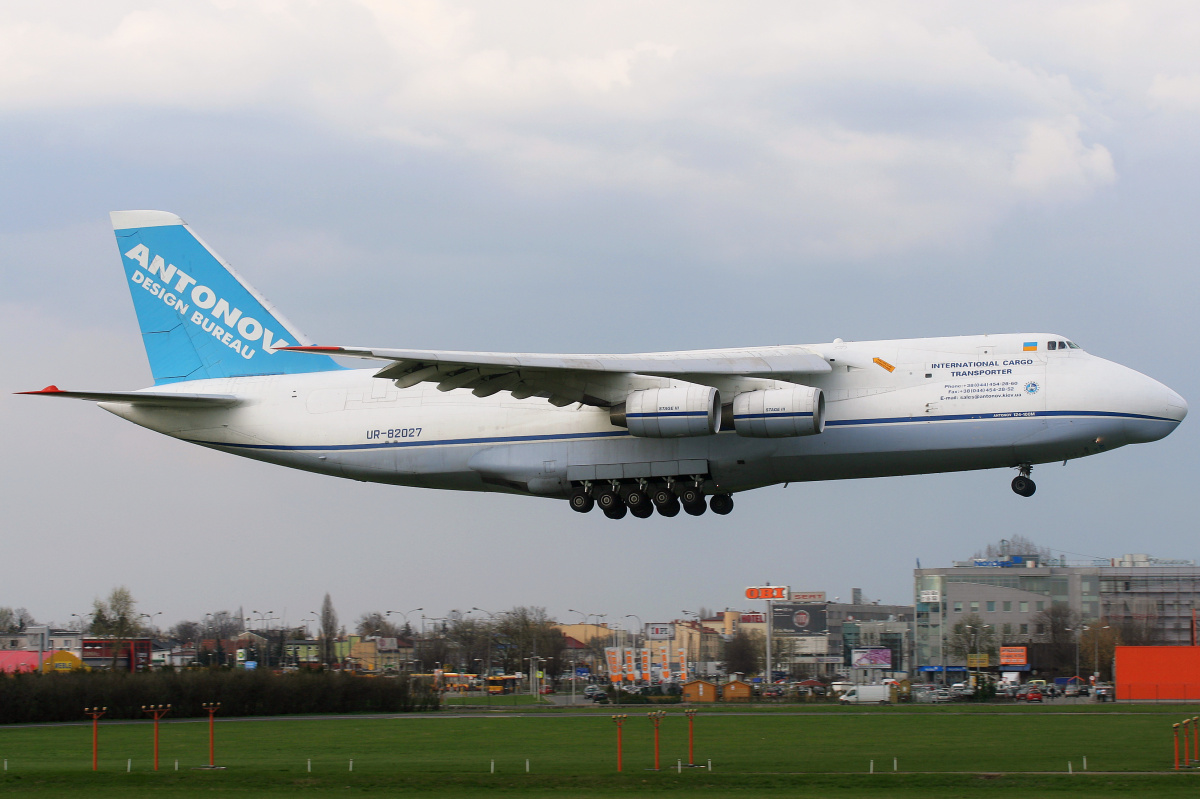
1030	346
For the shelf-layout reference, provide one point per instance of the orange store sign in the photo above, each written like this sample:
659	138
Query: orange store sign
1013	656
767	592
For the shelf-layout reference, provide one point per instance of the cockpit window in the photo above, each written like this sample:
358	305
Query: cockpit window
1062	345
1072	345
1051	345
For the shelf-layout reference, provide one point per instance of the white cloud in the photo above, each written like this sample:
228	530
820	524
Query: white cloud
1055	164
1176	92
856	129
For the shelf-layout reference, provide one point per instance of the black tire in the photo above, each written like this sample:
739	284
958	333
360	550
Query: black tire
643	511
663	496
696	508
720	504
637	499
616	512
1023	486
607	500
690	496
581	502
670	509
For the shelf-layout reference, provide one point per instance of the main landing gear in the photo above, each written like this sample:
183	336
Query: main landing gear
1021	484
642	498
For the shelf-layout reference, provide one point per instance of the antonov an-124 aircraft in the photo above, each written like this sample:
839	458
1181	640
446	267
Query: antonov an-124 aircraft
630	433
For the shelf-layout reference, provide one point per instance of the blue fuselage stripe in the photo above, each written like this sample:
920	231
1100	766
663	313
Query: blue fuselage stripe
623	434
769	415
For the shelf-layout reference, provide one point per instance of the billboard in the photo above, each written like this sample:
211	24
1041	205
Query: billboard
798	618
870	658
660	632
767	592
807	596
930	597
1013	656
980	661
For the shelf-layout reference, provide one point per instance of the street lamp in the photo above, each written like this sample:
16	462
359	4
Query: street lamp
404	613
636	641
1096	650
973	649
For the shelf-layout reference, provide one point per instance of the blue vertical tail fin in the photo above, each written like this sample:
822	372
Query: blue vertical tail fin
199	319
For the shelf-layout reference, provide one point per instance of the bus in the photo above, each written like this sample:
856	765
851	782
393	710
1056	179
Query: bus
504	684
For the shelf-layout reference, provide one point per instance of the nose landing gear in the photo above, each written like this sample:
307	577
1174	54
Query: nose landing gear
1021	484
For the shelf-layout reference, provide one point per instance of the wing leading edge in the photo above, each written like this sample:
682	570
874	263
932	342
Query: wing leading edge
601	380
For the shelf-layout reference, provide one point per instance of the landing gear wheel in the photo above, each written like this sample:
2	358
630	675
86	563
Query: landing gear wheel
690	496
720	504
1024	486
669	509
581	502
643	511
616	512
636	499
607	500
662	497
696	508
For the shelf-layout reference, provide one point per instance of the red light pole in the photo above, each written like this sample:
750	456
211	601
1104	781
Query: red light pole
691	717
157	711
656	716
212	710
1196	738
95	713
1186	749
1175	727
619	720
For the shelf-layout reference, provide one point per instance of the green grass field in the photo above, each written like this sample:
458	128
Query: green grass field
946	753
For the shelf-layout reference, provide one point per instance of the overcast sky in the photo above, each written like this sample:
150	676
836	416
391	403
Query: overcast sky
593	176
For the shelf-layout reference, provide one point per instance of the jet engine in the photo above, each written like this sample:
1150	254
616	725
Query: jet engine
670	412
779	413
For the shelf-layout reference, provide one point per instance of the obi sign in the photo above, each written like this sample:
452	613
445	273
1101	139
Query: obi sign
767	592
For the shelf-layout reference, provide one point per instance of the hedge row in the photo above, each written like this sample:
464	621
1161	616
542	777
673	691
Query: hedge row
28	698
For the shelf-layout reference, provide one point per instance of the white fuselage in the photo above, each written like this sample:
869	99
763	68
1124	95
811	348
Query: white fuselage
949	404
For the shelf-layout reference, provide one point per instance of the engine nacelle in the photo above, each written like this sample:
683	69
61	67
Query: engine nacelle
779	412
670	412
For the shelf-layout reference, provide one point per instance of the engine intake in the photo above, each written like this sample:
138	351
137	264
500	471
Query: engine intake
779	413
670	412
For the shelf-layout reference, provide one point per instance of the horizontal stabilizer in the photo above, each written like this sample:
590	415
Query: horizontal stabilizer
159	399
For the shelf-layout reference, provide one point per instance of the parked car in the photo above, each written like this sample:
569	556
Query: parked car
1033	695
589	690
599	696
942	695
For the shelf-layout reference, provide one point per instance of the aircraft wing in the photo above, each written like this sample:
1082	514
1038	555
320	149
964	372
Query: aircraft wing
591	379
161	399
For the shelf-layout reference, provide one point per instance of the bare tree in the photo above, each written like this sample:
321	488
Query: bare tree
376	623
1057	637
187	631
744	653
116	617
529	632
971	636
15	621
329	630
1097	645
1016	545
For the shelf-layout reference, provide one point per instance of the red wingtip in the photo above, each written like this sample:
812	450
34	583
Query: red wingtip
312	349
46	390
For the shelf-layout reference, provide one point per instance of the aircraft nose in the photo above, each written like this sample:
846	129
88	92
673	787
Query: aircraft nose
1177	406
1156	411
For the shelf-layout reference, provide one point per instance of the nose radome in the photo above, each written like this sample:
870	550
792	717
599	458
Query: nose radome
1177	406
